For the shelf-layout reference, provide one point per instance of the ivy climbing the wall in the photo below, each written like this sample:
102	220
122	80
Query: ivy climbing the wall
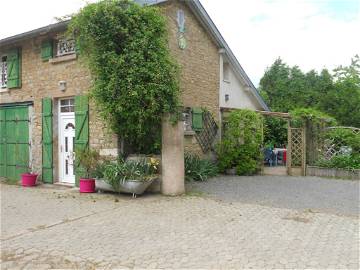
135	79
241	144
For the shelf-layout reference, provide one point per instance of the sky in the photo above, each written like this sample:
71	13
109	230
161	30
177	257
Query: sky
312	34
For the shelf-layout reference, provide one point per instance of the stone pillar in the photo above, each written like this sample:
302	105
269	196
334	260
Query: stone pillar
172	158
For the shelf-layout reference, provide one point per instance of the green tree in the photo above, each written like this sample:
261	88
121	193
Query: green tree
343	100
287	88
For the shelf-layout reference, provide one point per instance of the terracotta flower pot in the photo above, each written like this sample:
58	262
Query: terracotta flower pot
87	185
28	179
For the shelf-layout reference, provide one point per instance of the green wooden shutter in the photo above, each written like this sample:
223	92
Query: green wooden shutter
2	143
47	141
81	131
14	68
47	50
197	119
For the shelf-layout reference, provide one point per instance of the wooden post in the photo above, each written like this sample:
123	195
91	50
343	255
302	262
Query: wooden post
304	151
288	154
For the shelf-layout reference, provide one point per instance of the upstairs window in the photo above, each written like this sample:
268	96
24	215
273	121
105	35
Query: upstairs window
3	70
65	47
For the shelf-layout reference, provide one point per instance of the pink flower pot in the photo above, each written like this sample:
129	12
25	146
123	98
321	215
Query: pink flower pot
28	179
87	185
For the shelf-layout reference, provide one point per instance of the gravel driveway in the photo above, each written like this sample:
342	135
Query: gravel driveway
318	194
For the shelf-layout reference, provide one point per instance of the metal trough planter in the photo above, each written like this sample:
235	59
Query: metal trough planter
134	187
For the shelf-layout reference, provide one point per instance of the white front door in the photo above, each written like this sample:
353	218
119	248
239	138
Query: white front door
67	141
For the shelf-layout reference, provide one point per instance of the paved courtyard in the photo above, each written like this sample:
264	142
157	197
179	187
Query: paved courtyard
44	228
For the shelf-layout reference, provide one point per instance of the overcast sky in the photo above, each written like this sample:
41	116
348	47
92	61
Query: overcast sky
308	33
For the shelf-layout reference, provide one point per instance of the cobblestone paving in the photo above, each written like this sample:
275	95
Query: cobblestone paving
46	228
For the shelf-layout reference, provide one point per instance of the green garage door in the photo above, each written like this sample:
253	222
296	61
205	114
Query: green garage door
14	141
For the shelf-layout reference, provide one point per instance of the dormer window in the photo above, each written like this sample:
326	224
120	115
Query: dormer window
65	47
3	71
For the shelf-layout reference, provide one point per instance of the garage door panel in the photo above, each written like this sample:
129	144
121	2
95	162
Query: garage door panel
21	135
14	141
2	160
23	159
2	142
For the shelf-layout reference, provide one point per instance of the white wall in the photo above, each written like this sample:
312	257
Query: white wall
239	96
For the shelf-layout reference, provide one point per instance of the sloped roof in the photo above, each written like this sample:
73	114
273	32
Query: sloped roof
198	11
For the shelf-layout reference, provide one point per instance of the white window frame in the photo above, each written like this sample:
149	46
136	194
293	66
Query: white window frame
3	86
187	117
62	41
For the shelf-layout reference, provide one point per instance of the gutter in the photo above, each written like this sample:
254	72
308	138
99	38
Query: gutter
60	26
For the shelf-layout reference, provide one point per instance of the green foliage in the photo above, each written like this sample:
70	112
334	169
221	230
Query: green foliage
286	88
118	172
197	169
241	143
350	162
303	115
135	80
343	137
275	131
88	160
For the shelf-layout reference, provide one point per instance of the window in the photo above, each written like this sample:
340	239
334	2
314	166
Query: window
187	116
65	47
67	105
3	70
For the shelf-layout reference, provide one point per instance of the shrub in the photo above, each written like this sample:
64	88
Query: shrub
241	144
350	162
197	169
88	161
135	78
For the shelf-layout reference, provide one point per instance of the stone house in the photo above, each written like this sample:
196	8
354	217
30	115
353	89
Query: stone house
45	113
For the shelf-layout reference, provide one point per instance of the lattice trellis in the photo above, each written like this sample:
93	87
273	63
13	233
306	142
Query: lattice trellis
330	148
297	147
207	135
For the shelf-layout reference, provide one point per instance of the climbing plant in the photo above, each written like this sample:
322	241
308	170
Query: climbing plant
135	79
240	147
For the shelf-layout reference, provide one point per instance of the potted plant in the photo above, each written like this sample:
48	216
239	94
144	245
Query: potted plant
132	176
87	160
28	178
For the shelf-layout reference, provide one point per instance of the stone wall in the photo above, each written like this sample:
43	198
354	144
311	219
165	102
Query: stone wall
199	64
40	79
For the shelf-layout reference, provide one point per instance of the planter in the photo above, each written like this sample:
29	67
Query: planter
134	187
87	185
333	173
101	184
28	179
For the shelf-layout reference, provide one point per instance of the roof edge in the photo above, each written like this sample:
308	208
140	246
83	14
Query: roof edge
211	27
33	33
